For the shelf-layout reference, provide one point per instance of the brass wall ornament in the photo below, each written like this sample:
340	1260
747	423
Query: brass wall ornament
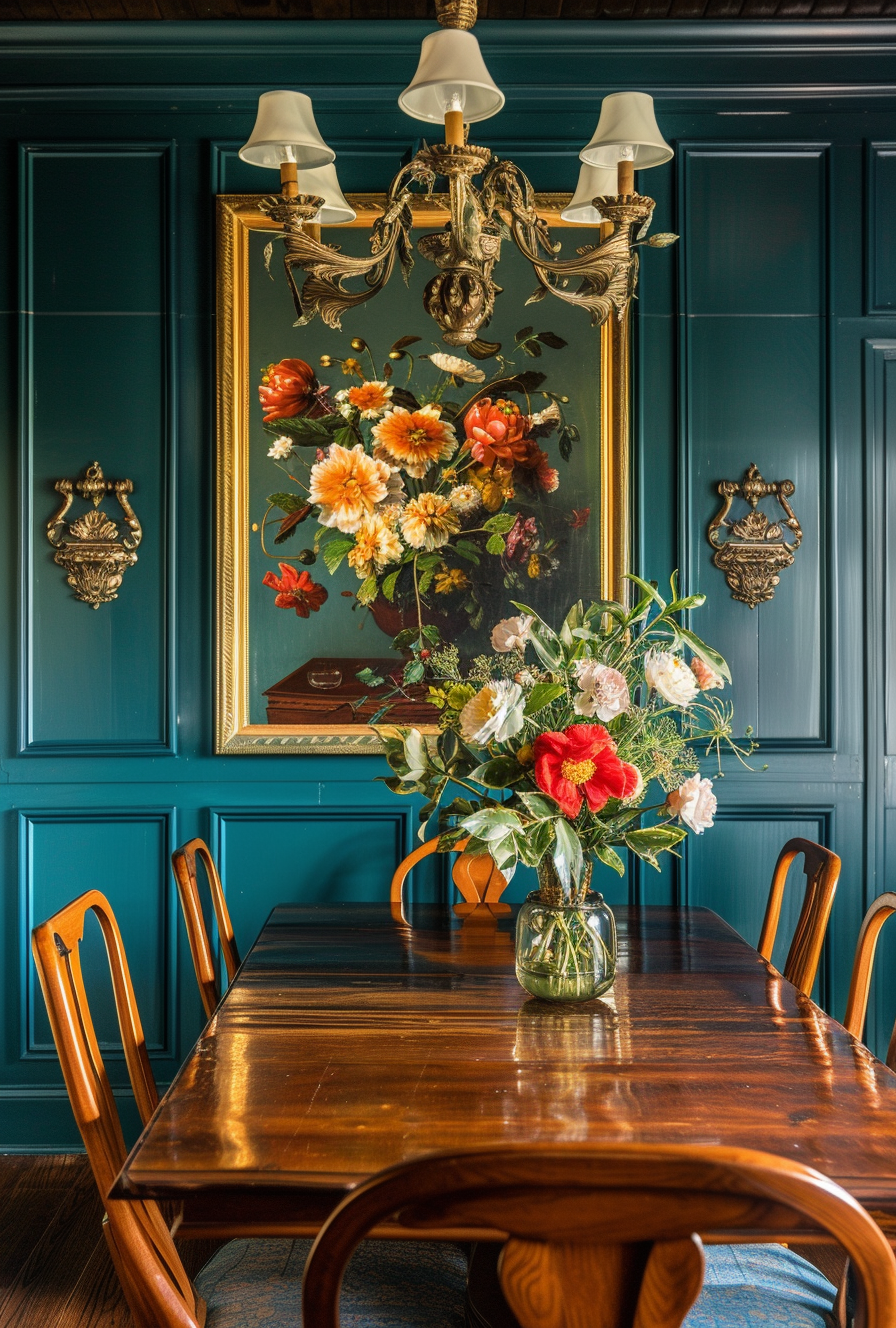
756	549
90	550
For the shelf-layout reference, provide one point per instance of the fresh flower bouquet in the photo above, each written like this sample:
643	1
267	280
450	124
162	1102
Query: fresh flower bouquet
555	743
430	490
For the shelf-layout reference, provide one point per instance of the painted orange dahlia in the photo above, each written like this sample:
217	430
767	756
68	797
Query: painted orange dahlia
376	545
370	398
429	521
348	484
414	439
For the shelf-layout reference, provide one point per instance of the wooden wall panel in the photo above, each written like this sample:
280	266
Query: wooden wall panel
731	869
97	354
880	272
753	389
287	854
124	853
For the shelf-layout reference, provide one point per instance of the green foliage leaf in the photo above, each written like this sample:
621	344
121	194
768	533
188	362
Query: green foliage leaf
529	381
524	332
483	350
335	550
531	348
706	653
388	586
532	844
413	671
543	809
491	824
369	678
500	523
288	502
448	839
610	858
541	695
367	591
648	588
402	397
500	772
688	602
467	549
655	838
495	544
305	432
567	854
551	339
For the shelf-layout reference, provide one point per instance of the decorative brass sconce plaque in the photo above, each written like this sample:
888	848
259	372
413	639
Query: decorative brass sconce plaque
756	549
93	555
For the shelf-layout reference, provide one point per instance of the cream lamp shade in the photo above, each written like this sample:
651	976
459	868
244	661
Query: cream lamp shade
337	210
627	121
451	75
285	131
594	182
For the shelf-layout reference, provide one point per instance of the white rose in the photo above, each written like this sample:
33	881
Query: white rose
694	803
668	674
604	691
512	633
494	712
280	448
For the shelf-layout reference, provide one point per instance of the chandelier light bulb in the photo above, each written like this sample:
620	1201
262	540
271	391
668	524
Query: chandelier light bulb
627	131
594	182
285	131
323	182
451	66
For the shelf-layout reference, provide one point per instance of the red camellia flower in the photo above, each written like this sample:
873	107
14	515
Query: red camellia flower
496	433
286	389
581	760
295	590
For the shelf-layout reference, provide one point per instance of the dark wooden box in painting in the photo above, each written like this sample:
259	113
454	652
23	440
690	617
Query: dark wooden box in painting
295	699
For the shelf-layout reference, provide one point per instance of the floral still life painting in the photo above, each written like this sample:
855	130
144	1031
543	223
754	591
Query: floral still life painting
566	747
435	478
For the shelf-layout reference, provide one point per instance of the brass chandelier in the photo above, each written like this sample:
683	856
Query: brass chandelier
453	88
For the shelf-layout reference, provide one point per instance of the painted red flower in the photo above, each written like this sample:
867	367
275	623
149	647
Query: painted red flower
286	389
581	761
296	590
495	433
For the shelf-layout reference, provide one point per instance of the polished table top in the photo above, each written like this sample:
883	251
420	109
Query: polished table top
349	1042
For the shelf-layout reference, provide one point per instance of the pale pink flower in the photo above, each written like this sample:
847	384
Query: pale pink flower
512	633
694	803
604	691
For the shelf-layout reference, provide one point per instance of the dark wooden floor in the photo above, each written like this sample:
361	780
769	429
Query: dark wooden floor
55	1271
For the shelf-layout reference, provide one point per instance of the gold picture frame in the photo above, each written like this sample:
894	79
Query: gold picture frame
237	216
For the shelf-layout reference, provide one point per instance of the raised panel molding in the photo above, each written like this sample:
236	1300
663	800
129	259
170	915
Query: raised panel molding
136	878
273	855
752	306
97	683
880	208
736	884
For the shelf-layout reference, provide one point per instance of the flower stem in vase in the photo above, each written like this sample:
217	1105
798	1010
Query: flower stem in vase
566	944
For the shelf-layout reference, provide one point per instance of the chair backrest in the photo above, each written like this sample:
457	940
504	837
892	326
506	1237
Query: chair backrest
183	862
602	1235
822	868
863	964
477	878
153	1278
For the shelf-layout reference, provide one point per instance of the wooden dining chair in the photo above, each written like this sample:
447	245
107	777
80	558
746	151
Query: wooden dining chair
477	878
248	1281
604	1235
822	868
183	862
862	968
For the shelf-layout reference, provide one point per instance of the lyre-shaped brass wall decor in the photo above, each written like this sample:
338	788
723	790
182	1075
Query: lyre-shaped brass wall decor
89	548
755	550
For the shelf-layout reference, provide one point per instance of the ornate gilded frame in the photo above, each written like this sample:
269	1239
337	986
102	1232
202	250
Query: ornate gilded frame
237	215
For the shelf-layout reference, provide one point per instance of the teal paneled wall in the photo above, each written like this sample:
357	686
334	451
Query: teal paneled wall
767	336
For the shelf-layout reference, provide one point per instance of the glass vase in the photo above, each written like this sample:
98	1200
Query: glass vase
565	947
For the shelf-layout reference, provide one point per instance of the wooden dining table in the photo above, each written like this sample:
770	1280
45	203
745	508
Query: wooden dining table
350	1041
